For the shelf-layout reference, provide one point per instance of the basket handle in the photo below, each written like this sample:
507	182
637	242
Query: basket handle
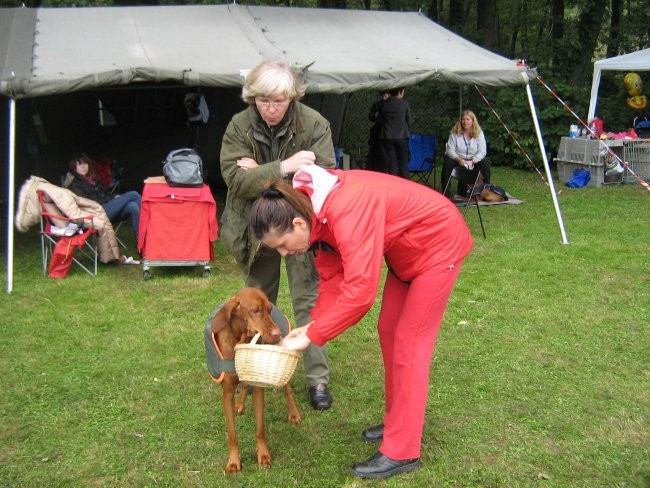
255	338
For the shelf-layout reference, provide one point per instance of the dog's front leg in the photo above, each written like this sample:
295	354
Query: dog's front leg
294	413
234	460
263	453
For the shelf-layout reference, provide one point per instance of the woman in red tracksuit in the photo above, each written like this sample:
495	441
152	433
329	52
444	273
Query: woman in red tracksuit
353	221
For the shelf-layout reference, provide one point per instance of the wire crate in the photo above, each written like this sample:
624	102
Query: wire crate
637	155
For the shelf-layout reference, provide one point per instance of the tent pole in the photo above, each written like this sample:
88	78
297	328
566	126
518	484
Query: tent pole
460	99
549	176
10	195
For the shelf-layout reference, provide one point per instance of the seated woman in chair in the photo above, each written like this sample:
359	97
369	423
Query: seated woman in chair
466	148
86	184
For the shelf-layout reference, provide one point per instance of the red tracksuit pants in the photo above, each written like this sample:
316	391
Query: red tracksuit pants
409	320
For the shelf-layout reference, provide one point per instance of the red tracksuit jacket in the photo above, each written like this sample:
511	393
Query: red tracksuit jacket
366	217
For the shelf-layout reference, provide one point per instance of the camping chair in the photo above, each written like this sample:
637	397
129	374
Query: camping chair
462	178
422	162
62	233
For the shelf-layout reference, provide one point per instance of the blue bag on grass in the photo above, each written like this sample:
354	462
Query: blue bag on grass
580	178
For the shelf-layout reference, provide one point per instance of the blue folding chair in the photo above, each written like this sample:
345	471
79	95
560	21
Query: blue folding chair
423	153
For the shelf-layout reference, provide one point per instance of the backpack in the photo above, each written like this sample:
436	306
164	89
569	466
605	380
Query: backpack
579	179
642	127
183	167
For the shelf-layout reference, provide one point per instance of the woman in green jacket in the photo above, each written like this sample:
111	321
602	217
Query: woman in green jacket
273	138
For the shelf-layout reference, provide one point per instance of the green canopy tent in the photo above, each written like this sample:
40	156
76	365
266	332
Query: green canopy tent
48	51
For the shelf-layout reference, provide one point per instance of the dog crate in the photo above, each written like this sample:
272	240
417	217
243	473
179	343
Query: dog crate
590	154
636	154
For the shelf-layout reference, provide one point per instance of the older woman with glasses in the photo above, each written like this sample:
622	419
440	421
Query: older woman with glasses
273	138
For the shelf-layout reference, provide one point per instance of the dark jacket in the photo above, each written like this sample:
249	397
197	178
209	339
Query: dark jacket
395	115
84	188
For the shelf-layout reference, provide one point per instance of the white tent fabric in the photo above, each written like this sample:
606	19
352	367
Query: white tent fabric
46	51
49	51
636	61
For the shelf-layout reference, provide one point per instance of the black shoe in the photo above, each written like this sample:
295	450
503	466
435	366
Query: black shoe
320	397
374	433
380	466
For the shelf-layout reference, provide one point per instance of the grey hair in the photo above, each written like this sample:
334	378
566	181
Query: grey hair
272	79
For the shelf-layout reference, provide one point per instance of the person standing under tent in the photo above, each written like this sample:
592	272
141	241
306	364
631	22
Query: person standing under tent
376	160
395	115
273	138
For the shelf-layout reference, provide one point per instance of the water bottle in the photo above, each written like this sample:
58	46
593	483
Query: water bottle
573	132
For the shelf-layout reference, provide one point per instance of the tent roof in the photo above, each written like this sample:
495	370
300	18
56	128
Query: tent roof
636	61
47	51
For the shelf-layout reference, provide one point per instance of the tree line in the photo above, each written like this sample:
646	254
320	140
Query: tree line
561	38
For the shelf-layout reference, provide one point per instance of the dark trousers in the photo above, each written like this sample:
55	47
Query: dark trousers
396	152
376	160
467	176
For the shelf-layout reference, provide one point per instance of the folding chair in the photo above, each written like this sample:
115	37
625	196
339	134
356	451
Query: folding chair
57	229
462	178
422	162
116	228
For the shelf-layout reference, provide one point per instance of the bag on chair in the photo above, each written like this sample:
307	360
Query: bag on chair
183	167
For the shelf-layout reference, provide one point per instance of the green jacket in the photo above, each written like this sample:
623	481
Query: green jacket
248	136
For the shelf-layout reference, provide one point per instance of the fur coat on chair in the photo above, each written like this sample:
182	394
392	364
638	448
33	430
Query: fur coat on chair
63	202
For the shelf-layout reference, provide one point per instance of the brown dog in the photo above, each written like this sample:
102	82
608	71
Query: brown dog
236	322
487	195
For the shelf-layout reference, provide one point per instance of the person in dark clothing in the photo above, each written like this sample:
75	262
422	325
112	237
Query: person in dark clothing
395	115
376	160
86	183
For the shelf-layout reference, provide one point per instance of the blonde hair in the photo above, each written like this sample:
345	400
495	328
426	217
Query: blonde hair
271	79
458	126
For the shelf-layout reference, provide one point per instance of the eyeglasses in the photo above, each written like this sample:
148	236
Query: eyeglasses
267	104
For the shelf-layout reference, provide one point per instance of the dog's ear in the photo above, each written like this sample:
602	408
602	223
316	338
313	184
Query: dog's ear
222	317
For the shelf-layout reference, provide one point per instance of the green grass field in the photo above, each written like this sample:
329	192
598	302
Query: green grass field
540	377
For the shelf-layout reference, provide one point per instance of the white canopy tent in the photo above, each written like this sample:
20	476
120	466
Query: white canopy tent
48	51
636	61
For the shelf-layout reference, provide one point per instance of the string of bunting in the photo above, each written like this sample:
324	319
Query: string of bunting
593	134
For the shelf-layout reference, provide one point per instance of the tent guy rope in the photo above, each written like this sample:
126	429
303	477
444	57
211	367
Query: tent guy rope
511	134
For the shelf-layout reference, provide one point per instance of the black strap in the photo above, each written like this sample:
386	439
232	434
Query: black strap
321	246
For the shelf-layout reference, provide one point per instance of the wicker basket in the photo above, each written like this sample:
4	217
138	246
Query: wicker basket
265	365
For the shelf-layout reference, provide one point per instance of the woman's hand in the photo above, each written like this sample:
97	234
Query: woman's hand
469	164
297	339
247	163
297	161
